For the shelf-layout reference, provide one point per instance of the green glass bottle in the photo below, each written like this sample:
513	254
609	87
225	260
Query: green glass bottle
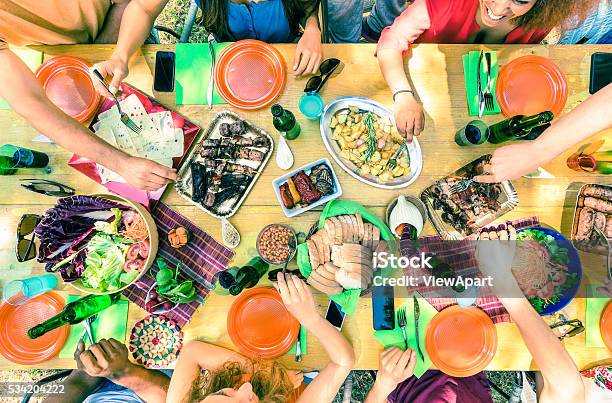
248	276
517	127
284	121
75	312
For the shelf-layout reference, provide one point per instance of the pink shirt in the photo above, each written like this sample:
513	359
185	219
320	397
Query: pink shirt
443	21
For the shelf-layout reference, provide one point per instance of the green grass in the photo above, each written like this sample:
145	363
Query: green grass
173	17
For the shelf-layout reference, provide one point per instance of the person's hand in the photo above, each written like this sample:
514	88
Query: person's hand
296	377
308	53
144	174
513	161
409	115
495	253
106	358
114	72
297	297
395	366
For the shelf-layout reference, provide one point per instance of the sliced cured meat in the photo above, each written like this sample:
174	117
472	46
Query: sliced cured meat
598	191
598	204
359	227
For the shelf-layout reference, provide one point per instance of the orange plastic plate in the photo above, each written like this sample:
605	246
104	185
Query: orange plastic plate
605	326
529	85
15	321
461	341
259	324
250	74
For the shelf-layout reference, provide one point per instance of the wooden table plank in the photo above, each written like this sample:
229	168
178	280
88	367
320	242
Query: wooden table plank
437	74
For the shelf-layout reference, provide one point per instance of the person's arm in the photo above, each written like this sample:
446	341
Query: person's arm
109	359
196	356
26	96
138	19
562	380
394	42
298	299
309	51
587	119
395	367
76	387
110	30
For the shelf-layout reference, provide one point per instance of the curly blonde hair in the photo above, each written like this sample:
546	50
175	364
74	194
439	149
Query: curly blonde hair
547	14
270	381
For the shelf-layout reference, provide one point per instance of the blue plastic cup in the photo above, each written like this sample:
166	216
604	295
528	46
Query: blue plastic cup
17	292
311	105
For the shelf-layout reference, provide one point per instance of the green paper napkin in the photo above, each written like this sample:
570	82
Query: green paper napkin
595	305
470	64
32	58
192	73
303	340
390	338
111	322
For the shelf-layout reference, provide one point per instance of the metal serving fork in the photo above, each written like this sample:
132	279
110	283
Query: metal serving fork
88	328
461	186
393	161
125	119
488	96
401	321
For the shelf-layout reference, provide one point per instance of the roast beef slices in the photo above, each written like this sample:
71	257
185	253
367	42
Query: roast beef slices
306	189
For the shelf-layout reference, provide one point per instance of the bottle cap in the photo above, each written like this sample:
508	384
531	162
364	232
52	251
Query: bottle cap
235	289
277	110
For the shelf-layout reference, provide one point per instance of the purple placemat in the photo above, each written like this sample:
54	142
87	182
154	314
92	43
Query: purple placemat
460	255
202	258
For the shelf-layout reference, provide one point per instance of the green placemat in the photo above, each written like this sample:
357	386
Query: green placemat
303	340
470	65
595	305
192	73
32	58
390	338
111	322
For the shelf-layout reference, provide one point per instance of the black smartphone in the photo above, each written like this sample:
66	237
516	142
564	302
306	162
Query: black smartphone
334	315
164	72
383	308
601	71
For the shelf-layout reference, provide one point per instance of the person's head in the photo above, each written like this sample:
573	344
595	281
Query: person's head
236	383
533	14
214	15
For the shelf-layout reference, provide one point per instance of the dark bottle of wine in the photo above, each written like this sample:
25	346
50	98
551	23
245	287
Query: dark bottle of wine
75	312
517	127
248	276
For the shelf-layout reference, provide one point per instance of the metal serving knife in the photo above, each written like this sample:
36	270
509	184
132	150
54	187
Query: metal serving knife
417	313
481	101
211	81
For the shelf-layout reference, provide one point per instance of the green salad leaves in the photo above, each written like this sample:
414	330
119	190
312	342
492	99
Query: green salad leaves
168	287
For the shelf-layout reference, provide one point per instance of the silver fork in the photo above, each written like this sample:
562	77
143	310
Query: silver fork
401	321
393	161
607	241
88	328
125	119
461	186
488	96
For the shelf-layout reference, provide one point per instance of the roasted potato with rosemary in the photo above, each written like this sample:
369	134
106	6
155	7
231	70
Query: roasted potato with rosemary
369	141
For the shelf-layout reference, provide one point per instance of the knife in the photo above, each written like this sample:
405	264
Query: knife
541	173
417	313
211	81
298	347
481	105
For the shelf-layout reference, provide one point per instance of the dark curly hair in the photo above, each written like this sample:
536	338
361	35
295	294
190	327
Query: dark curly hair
548	14
270	381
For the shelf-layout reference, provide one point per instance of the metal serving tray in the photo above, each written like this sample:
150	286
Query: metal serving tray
183	184
508	199
585	246
414	149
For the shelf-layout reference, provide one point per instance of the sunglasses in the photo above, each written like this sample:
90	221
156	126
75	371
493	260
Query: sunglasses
328	68
25	248
568	328
47	187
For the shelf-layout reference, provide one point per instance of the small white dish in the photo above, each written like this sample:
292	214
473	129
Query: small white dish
229	234
284	156
404	211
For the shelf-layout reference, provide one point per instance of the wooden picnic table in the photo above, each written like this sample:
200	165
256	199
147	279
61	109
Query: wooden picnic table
437	75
